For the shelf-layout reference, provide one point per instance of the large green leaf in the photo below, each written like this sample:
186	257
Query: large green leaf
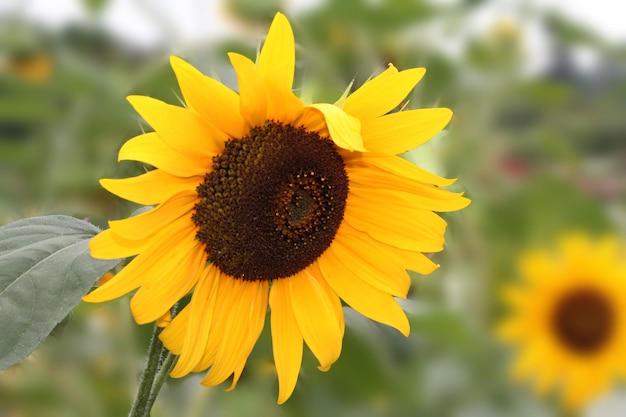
45	269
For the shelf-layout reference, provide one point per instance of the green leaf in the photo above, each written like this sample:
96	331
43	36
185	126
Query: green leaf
45	269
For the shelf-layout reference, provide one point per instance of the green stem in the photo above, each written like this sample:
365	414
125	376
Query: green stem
159	363
141	406
167	365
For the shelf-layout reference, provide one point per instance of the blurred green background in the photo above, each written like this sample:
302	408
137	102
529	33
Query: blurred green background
538	142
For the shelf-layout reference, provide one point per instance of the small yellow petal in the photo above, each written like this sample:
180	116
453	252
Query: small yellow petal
149	223
399	132
153	187
510	331
583	387
246	316
147	264
164	320
370	263
412	260
180	128
383	93
209	98
107	245
175	276
316	318
367	300
282	105
314	269
105	278
286	339
229	290
173	336
382	196
411	229
398	166
277	59
201	309
344	129
252	90
149	148
313	121
368	182
276	67
371	84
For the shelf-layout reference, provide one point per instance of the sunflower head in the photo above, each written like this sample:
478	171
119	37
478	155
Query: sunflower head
568	318
261	199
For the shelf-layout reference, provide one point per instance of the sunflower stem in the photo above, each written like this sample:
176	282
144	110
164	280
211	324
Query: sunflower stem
167	364
145	397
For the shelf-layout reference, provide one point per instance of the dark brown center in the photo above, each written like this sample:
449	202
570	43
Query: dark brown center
584	321
273	202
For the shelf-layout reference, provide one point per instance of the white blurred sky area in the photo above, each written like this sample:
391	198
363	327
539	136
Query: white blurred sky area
179	23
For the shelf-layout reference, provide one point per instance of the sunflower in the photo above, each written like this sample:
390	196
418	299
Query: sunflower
262	199
568	319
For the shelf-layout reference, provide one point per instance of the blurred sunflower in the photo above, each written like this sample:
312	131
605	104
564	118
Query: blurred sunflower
263	199
568	319
31	66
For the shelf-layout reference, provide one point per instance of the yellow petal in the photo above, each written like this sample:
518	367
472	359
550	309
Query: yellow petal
209	98
383	93
149	148
313	120
547	379
344	129
316	318
282	105
257	320
411	229
413	260
147	264
276	67
399	132
583	386
372	83
512	331
173	336
517	297
529	361
252	91
538	267
286	339
153	187
199	324
367	300
180	128
107	245
147	224
406	169
229	290
314	269
175	277
382	196
105	278
164	320
246	316
371	264
368	177
277	59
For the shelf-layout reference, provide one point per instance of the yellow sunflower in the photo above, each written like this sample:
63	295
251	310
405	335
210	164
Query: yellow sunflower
568	319
262	199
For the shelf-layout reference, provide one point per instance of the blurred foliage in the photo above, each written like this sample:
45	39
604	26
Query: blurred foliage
538	153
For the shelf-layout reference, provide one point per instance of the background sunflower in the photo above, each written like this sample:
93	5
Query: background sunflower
568	319
537	139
